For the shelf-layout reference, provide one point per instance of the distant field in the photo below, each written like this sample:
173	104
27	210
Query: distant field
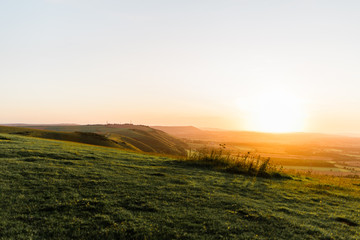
320	153
320	160
62	190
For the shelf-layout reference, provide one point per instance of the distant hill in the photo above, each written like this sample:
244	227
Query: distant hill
26	124
183	131
193	133
127	136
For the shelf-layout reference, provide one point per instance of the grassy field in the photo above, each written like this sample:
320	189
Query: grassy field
61	190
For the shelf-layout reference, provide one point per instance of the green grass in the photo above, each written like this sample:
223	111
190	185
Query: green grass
62	190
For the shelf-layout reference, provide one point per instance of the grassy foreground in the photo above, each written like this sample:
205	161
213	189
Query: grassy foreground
61	190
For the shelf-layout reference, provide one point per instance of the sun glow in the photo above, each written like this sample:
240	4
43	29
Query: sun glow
275	111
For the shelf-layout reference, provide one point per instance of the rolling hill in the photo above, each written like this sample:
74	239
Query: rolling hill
124	136
81	137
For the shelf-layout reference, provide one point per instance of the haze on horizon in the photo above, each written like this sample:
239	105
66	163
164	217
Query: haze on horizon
276	66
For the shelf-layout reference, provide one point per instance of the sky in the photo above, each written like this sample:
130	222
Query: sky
279	65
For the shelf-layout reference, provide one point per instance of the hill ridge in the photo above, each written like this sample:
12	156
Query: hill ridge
124	136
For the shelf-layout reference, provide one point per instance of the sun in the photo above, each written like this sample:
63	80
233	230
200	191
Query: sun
276	111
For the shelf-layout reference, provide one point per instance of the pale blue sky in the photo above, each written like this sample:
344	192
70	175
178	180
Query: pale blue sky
201	63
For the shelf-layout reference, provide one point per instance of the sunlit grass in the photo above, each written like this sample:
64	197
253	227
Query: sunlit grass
62	190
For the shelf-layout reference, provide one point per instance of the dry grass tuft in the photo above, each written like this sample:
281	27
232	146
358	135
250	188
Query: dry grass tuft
246	164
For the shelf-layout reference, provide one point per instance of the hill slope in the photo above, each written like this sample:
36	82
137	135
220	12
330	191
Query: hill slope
62	190
81	137
125	136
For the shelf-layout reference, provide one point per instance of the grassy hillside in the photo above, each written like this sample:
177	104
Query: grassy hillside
63	190
138	137
81	137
